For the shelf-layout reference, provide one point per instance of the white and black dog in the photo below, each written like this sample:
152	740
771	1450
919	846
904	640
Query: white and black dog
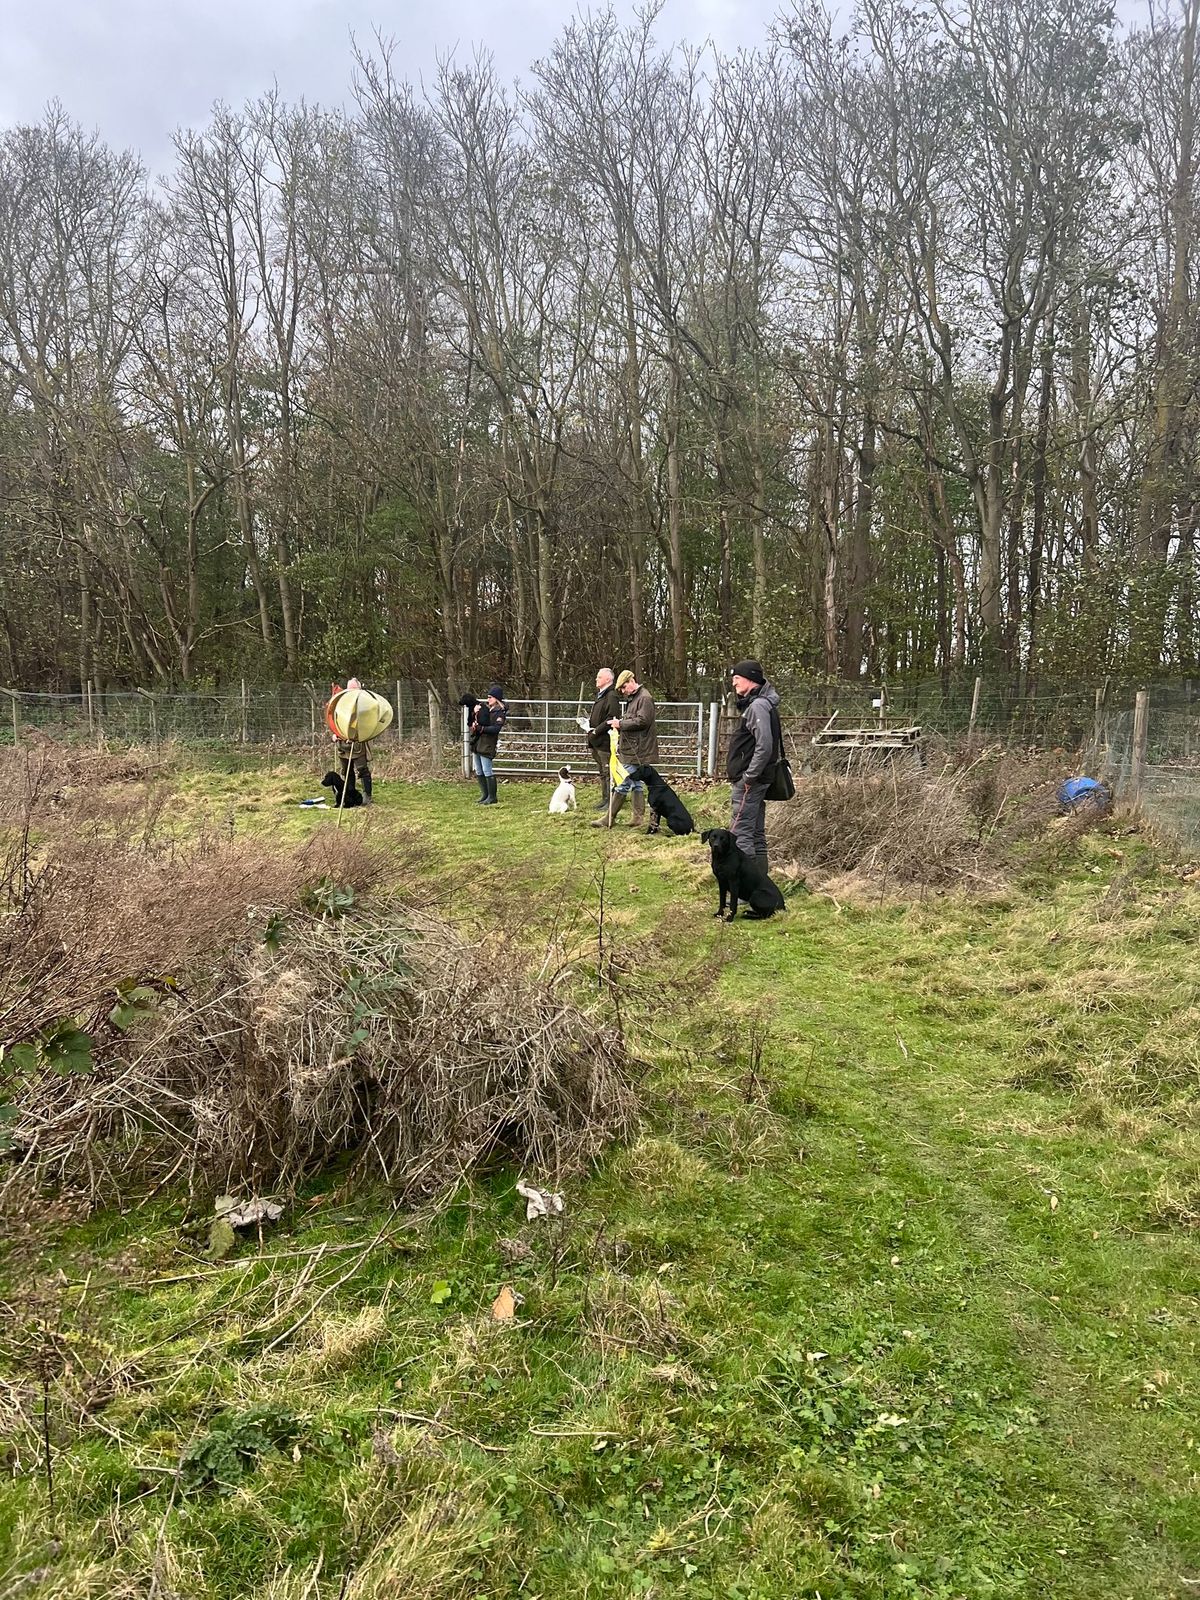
563	798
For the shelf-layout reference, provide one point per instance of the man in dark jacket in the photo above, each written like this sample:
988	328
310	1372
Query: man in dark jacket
487	724
605	706
753	752
637	746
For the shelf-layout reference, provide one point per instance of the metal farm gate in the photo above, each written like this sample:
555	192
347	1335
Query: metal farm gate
543	735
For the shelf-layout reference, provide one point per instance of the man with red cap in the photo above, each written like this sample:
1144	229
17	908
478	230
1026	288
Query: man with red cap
753	753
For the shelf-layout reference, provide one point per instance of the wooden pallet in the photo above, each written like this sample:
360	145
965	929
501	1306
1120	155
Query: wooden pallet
865	744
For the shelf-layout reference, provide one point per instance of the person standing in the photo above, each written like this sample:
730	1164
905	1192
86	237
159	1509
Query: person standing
637	746
487	724
354	753
605	706
753	752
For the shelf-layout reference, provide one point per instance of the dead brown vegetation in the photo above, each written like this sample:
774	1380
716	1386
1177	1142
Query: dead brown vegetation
274	1024
959	826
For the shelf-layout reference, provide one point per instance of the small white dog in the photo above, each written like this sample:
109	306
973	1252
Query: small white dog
563	798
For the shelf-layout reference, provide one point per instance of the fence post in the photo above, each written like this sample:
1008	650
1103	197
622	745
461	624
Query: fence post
714	709
15	696
1141	738
974	710
399	714
436	739
87	696
244	731
466	741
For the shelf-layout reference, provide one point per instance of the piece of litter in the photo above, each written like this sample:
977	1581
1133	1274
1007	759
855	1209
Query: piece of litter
504	1306
539	1202
246	1213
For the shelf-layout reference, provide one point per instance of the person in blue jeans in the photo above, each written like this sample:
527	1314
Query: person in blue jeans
487	724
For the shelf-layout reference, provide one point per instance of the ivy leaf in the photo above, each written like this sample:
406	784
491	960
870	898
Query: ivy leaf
440	1292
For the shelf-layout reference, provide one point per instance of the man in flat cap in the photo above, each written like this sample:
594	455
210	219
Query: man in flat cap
637	746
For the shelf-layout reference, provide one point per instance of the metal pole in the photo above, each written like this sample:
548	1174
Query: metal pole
466	743
699	739
713	713
546	735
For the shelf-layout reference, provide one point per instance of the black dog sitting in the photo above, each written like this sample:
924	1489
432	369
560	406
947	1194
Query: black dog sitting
350	798
665	804
740	877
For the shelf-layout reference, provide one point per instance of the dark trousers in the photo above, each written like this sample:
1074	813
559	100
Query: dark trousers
600	757
748	817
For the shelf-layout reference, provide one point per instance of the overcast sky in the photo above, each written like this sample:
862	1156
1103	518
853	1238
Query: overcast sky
138	69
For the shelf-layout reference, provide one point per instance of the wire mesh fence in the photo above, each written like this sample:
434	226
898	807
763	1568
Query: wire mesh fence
1151	758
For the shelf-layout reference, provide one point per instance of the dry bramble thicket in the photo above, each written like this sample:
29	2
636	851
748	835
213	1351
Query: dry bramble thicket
964	825
220	1011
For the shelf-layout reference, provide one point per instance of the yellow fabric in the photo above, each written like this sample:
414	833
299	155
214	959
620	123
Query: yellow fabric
617	772
359	714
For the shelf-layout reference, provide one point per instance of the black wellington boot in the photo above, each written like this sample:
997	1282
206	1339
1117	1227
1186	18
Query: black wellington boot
492	782
366	788
483	789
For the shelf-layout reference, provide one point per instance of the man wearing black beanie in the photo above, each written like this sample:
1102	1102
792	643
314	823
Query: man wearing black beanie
753	752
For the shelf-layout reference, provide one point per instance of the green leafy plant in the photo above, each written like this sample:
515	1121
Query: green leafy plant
232	1447
134	1001
63	1047
329	899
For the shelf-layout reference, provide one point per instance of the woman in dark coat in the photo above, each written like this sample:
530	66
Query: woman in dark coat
487	724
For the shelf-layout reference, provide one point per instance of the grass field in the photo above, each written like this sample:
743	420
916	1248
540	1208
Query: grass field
895	1294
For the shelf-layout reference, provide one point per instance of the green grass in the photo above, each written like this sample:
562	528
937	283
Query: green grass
892	1297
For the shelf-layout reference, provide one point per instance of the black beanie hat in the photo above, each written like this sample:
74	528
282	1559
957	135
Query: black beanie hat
495	692
748	669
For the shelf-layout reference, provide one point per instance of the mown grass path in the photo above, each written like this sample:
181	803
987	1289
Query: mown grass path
877	1305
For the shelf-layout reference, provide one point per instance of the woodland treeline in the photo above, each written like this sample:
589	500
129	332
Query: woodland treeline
867	352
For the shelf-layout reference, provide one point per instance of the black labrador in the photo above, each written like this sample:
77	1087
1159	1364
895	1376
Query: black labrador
665	804
351	797
740	878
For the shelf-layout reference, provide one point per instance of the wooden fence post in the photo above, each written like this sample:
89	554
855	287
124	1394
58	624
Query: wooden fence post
399	713
16	715
244	729
437	738
974	710
1141	739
